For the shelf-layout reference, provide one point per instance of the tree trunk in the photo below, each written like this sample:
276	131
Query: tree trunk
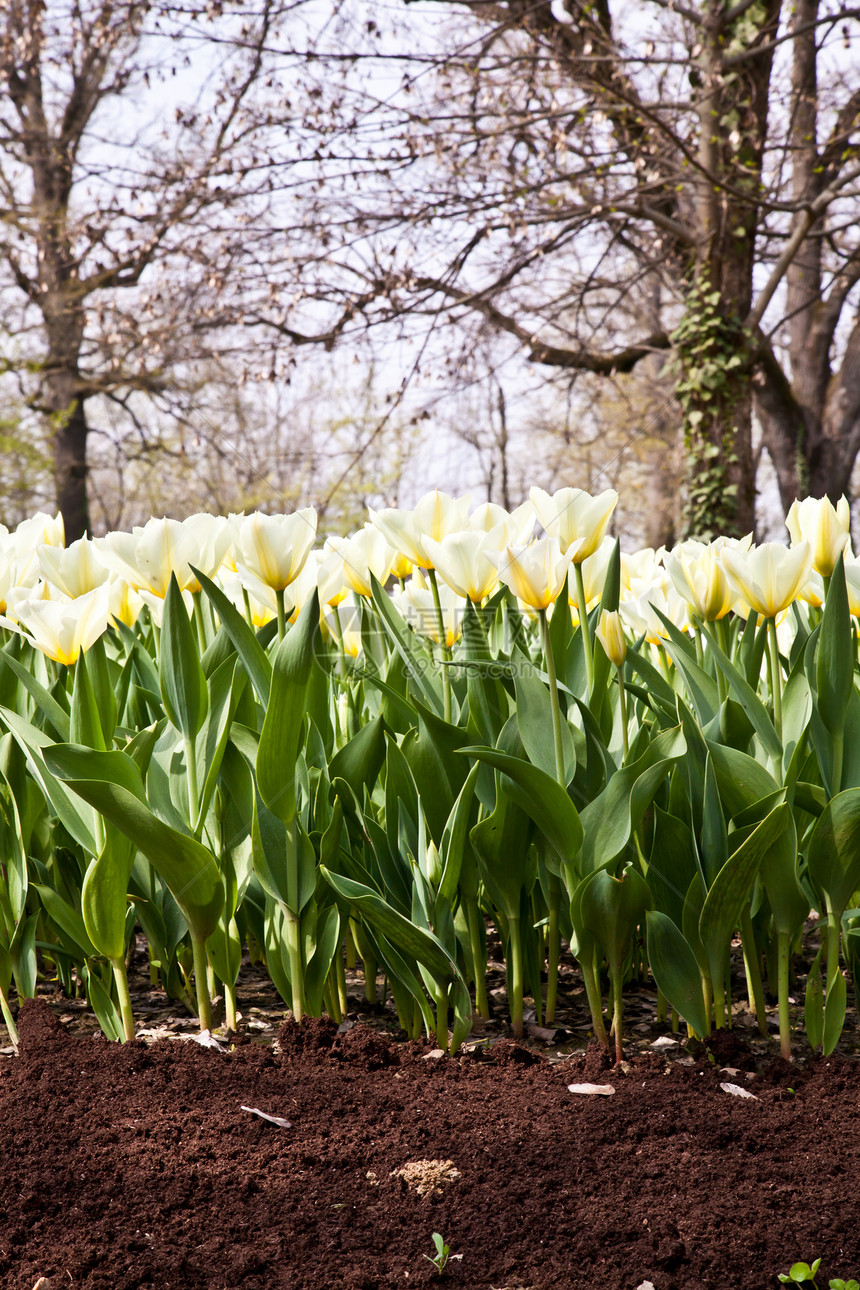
70	464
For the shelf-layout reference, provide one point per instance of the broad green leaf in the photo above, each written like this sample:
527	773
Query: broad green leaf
417	942
501	842
742	781
45	701
248	647
731	888
102	1005
534	720
672	864
834	849
109	782
280	738
714	844
360	761
415	654
779	874
180	676
104	895
609	820
541	797
67	918
834	1013
284	859
611	910
834	657
747	697
34	744
455	838
675	970
85	726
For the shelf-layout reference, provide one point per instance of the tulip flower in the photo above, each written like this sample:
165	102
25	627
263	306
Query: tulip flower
593	578
416	604
824	526
74	570
343	621
464	561
275	547
768	576
577	519
700	580
435	516
366	552
148	555
514	528
62	628
536	573
250	596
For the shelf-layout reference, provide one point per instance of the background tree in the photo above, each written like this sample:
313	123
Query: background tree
135	195
677	180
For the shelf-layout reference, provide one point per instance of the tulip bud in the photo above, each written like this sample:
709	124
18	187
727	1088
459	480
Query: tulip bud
433	865
610	633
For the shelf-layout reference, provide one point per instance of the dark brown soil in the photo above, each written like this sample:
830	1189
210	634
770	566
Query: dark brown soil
135	1166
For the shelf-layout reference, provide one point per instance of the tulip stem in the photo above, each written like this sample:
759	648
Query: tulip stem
775	676
587	645
515	976
546	645
622	695
783	943
446	654
191	772
201	982
280	595
125	1011
7	1017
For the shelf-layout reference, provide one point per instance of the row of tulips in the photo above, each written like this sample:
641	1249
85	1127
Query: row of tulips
230	738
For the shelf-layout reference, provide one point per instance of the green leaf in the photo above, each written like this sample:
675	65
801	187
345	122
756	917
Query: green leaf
360	761
284	859
104	895
676	970
731	888
834	657
67	918
180	676
742	781
45	701
455	838
611	909
280	738
541	797
834	1013
34	743
608	821
834	849
414	941
747	697
534	720
249	649
672	864
110	782
85	726
103	1005
501	842
416	656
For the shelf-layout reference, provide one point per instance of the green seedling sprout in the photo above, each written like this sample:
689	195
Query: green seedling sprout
442	1255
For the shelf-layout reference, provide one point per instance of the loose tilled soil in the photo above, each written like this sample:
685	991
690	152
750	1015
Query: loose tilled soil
137	1167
